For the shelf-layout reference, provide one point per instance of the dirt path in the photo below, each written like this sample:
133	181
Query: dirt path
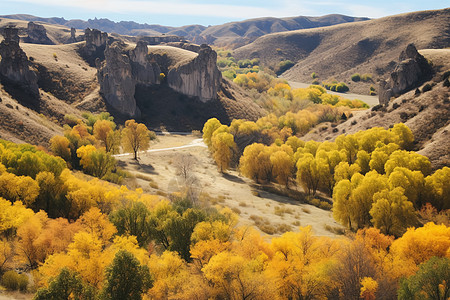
156	172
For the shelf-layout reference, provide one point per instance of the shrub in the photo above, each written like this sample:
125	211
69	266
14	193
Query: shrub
284	66
356	77
13	281
341	87
427	87
314	75
366	77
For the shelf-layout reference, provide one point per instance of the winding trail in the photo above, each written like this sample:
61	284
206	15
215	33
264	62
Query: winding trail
194	143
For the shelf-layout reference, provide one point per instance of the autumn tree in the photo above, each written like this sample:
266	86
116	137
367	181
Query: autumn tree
60	147
104	131
255	162
223	148
126	278
95	162
282	166
208	129
135	137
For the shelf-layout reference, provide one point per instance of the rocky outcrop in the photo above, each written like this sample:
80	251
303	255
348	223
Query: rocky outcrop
73	38
95	45
15	66
121	71
412	70
199	78
37	34
116	80
144	71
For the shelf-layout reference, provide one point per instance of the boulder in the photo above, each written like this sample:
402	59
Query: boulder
37	34
198	78
15	67
411	71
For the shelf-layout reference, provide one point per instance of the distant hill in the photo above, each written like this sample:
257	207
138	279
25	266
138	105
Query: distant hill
342	50
232	34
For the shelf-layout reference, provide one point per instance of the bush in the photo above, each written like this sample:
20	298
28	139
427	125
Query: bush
13	281
356	77
341	87
284	66
314	75
366	77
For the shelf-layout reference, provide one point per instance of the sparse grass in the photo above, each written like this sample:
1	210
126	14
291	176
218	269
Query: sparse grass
267	227
236	210
143	177
306	210
296	223
153	184
268	204
161	193
336	230
281	210
242	204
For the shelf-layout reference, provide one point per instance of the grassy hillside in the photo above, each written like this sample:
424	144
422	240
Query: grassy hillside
342	50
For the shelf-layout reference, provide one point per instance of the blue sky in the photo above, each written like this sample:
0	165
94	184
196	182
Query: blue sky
204	12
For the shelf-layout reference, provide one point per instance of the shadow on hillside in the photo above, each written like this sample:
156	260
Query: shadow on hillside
232	178
146	168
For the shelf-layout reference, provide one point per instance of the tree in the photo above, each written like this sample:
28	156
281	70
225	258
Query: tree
60	147
391	212
282	166
432	281
126	278
208	129
95	162
308	173
67	285
135	137
255	162
104	131
223	147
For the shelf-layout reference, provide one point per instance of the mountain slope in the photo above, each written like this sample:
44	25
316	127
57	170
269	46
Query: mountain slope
231	34
342	50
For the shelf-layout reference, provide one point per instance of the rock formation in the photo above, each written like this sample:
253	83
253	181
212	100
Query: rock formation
37	34
409	73
95	45
116	80
73	38
15	66
198	78
123	68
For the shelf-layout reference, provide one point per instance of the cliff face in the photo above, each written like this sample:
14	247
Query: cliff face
409	73
123	68
15	66
116	80
198	78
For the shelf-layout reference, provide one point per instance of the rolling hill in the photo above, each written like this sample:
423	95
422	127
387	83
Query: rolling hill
233	34
342	50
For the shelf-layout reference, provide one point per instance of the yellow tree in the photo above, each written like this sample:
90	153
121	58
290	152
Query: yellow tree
439	186
391	212
60	147
208	129
104	131
282	166
308	173
223	147
255	162
135	137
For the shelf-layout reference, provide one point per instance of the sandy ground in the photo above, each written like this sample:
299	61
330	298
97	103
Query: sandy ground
370	100
156	170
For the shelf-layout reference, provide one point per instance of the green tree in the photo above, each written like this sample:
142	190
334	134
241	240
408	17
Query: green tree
126	278
432	281
67	285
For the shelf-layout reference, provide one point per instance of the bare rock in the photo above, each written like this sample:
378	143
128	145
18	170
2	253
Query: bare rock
412	70
116	80
15	66
73	38
37	34
144	71
199	78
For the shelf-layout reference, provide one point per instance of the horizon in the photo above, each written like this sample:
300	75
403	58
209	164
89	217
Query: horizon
178	13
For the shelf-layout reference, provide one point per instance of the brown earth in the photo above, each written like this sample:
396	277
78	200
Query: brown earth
362	47
156	173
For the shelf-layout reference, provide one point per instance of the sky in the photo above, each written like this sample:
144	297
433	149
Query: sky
209	12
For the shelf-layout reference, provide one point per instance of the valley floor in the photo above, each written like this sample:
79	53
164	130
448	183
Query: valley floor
156	172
